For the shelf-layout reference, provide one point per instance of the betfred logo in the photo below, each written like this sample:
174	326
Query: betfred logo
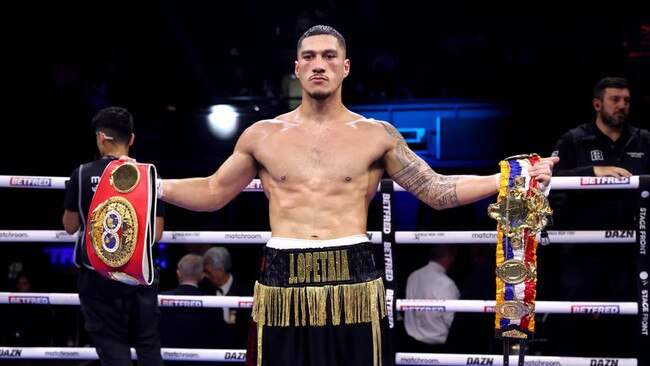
422	308
30	182
29	300
595	309
245	304
255	185
181	303
604	181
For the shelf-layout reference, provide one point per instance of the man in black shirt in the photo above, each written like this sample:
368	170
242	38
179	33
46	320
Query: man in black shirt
607	146
118	316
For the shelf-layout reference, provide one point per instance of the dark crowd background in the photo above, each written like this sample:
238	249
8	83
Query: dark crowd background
168	61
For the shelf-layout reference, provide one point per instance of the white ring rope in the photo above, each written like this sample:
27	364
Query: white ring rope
468	306
550	307
401	237
44	182
87	353
402	358
208	301
203	355
32	181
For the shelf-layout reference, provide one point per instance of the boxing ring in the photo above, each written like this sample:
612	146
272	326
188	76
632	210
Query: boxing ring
640	309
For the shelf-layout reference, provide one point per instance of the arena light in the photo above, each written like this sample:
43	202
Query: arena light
223	121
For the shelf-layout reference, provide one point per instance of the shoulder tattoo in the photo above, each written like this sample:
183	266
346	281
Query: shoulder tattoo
417	177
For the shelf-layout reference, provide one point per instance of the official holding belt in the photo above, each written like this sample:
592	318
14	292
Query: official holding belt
114	215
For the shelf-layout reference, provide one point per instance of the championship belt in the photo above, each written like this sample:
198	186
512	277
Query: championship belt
121	223
522	211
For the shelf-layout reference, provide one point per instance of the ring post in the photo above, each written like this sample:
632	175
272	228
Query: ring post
388	242
643	270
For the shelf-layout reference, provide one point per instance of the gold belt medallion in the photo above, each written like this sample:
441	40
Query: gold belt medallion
514	309
514	271
125	178
114	231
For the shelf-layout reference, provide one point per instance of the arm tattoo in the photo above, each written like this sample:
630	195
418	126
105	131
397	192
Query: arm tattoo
414	175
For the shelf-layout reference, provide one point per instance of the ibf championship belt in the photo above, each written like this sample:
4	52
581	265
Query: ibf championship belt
521	211
121	223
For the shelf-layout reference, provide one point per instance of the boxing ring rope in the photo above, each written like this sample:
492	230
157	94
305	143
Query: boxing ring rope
406	237
468	306
196	354
401	237
563	183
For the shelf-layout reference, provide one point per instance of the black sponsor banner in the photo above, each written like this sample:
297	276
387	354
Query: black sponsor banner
643	269
388	242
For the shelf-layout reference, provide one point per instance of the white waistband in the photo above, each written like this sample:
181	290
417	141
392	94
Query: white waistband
277	242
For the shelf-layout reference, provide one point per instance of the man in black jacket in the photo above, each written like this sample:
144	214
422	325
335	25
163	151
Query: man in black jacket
609	149
117	315
607	146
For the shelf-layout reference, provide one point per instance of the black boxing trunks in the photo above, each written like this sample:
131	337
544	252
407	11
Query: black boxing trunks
318	303
121	223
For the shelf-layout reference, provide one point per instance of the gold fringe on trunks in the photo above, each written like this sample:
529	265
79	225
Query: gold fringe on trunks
308	306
